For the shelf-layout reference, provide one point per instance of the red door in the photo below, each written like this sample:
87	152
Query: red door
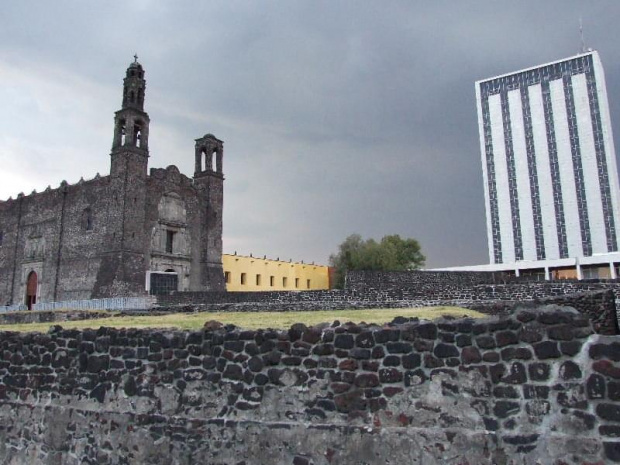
31	290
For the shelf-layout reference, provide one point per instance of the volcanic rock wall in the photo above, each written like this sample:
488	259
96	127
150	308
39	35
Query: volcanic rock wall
535	387
597	300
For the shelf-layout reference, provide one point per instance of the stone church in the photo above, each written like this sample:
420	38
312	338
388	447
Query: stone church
126	234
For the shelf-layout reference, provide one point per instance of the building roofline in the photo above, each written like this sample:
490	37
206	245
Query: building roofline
267	259
596	259
590	52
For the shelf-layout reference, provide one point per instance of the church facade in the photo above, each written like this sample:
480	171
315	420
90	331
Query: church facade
126	234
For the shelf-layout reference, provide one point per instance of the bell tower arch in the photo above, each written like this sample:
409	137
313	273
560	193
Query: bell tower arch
209	156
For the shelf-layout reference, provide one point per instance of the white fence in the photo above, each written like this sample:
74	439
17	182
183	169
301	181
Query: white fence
114	303
12	308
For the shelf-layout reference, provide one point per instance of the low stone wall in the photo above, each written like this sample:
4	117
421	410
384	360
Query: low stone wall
599	304
536	387
362	280
482	292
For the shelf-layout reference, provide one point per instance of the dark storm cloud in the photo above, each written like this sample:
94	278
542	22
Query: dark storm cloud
337	117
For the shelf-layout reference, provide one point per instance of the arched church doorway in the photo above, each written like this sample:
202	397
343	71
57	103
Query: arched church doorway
31	289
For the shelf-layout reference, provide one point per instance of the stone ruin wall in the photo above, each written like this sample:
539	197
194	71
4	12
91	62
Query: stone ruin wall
598	300
538	386
599	306
416	278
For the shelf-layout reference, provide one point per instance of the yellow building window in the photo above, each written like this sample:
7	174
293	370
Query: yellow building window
242	278
272	281
227	276
296	283
284	282
308	283
258	280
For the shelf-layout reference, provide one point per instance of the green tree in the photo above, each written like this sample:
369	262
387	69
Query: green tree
392	253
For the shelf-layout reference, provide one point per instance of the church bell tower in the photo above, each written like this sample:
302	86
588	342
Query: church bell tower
122	271
130	147
209	180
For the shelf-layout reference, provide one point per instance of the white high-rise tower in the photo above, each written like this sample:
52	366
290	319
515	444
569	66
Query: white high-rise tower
548	160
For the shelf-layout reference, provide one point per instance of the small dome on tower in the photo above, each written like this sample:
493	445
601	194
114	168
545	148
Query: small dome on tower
135	69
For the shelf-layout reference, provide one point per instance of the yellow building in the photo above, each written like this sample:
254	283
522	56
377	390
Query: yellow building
243	273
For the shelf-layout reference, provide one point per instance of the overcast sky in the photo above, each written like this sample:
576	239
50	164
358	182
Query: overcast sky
337	117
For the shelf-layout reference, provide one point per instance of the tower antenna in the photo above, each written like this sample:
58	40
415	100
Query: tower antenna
583	43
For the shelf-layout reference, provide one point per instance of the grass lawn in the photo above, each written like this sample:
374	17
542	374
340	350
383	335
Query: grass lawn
251	320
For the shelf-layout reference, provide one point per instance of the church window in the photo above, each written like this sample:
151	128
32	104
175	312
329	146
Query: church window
284	282
170	241
1	237
308	283
243	276
87	219
227	276
296	283
272	280
258	279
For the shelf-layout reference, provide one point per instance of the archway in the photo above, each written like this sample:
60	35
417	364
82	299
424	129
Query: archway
31	289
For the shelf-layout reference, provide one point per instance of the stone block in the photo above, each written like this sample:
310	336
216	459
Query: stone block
344	341
608	412
389	375
445	350
365	340
504	409
570	370
505	338
546	350
399	347
485	342
606	368
366	380
470	355
539	371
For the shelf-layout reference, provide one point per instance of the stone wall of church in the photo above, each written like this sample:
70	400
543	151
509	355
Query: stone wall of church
59	234
173	205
